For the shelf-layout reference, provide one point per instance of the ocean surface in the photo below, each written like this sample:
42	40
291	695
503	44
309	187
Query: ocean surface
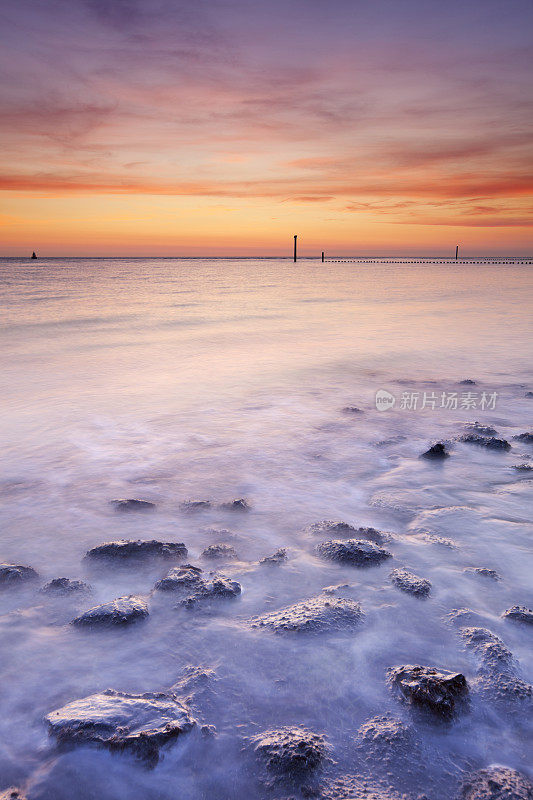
212	379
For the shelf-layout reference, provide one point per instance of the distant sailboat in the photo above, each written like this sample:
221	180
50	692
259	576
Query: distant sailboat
33	255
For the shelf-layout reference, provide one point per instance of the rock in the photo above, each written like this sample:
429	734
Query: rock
219	587
467	382
477	427
352	410
408	582
291	752
65	586
236	505
523	467
185	577
436	452
277	558
191	506
384	738
497	783
319	614
524	437
12	794
122	611
356	552
223	551
496	675
528	394
328	527
435	689
484	571
489	442
519	613
132	505
129	548
142	723
491	650
15	573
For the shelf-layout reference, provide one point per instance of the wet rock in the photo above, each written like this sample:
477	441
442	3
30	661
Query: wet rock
477	427
319	614
328	527
218	587
291	752
524	437
519	613
494	654
142	723
434	689
122	611
12	794
384	738
61	586
411	583
11	574
191	506
489	442
436	452
352	410
131	504
236	505
528	394
277	558
484	571
355	552
355	787
497	783
129	548
222	551
185	577
467	382
523	467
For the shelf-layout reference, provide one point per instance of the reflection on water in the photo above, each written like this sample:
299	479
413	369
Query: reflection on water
213	379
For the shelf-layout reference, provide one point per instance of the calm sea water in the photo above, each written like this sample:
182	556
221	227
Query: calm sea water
171	380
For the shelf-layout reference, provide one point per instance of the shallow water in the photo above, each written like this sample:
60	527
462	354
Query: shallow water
171	380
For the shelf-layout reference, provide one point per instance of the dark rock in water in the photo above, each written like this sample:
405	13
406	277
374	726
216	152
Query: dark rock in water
185	577
236	505
524	437
65	586
132	505
352	410
408	582
130	548
436	452
192	506
523	467
277	558
491	650
15	573
223	551
519	613
142	723
356	552
484	571
477	427
291	752
12	794
328	527
219	587
435	689
496	675
319	614
497	783
122	611
490	442
467	382
528	394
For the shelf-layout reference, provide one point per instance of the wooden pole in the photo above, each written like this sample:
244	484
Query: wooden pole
295	238
456	252
322	256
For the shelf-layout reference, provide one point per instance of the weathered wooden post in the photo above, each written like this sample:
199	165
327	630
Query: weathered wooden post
295	238
322	256
456	252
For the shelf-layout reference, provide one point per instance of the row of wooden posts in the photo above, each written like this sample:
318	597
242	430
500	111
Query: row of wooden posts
296	249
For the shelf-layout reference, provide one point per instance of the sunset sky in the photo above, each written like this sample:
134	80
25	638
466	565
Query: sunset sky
159	127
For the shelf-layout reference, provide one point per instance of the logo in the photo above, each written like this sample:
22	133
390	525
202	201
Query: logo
384	400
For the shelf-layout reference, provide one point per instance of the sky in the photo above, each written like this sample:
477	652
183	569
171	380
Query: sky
223	127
